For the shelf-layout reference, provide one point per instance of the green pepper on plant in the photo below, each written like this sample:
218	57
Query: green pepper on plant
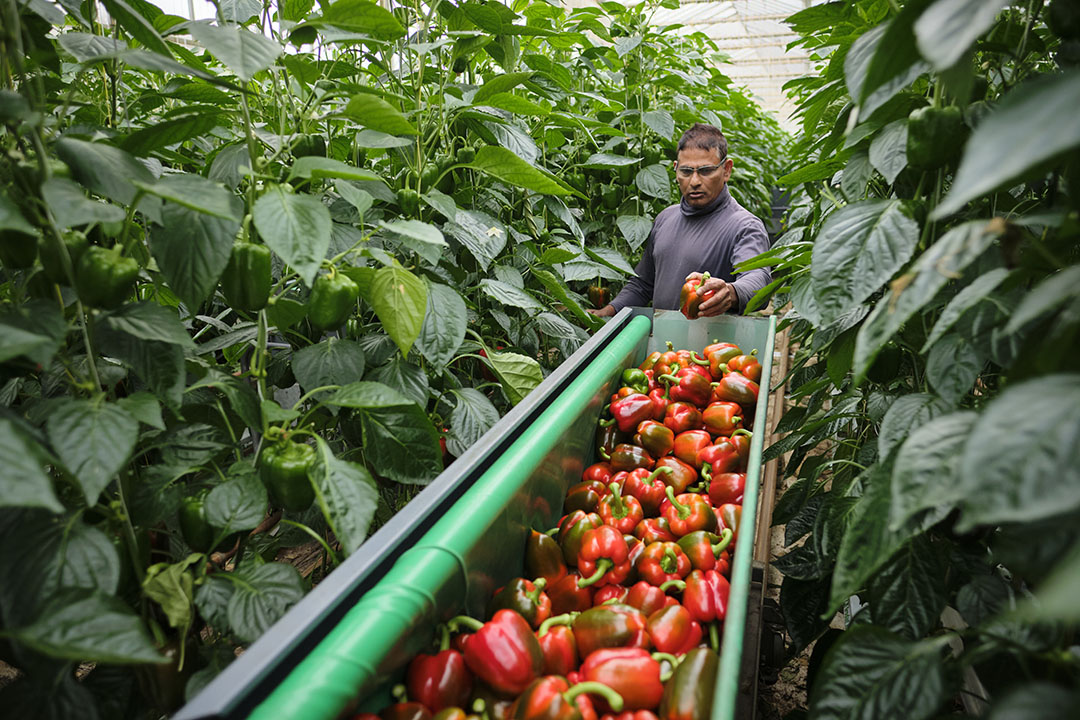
283	468
333	298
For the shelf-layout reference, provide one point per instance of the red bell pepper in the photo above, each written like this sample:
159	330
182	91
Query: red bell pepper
706	595
649	598
647	487
746	365
543	558
718	361
552	698
690	298
571	529
440	680
608	626
688	512
727	488
673	630
631	410
703	548
689	386
603	558
736	388
656	438
567	597
631	672
655	529
682	476
730	516
503	652
682	417
600	472
558	644
634	549
717	346
722	418
621	513
585	495
609	594
688	444
627	457
667	362
628	715
524	597
721	457
663	561
688	695
607	437
650	360
660	400
741	440
405	711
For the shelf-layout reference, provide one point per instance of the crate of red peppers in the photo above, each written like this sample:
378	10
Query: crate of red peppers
621	606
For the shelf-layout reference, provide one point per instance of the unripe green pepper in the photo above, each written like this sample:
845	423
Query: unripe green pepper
333	298
17	249
246	281
409	201
104	277
611	197
936	137
309	145
283	469
51	260
196	529
465	155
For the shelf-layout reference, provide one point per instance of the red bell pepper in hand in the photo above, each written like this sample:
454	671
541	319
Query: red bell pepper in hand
631	672
736	388
627	457
706	595
688	512
524	597
661	562
571	529
647	487
727	488
682	476
504	652
689	444
630	411
604	557
440	680
730	516
567	597
690	298
600	472
648	598
621	513
585	496
608	626
655	529
722	418
703	548
609	594
552	698
689	386
657	439
673	630
682	417
558	644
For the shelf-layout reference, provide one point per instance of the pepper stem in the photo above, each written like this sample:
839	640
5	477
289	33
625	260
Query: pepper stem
698	360
538	587
602	567
618	509
669	379
753	352
465	621
606	423
743	431
679	585
669	563
444	638
714	637
552	532
592	687
655	473
670	347
684	510
706	472
670	660
564	619
604	453
725	540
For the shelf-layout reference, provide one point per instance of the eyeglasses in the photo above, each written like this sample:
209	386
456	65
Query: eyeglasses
703	171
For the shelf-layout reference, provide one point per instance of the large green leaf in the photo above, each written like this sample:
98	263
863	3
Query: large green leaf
635	229
908	594
103	169
908	413
137	25
505	165
888	151
444	325
424	238
654	180
946	30
241	50
605	161
24	482
331	362
262	594
895	52
871	672
376	113
858	249
69	205
499	84
857	65
320	167
1033	124
348	496
480	233
519	374
1035	700
195	192
1023	471
362	16
400	300
927	468
239	503
1051	293
968	298
296	227
952	367
171	131
368	395
171	585
509	295
409	379
192	249
94	440
473	416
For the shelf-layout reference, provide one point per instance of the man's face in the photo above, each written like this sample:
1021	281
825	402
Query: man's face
701	190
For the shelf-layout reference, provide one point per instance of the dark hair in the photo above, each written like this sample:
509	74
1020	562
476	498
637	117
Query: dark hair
704	137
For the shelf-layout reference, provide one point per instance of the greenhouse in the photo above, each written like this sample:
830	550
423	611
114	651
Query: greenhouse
491	359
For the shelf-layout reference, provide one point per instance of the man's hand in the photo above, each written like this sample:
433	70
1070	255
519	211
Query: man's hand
606	311
723	299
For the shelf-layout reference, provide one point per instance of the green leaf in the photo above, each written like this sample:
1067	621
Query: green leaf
857	174
802	602
481	234
262	594
1035	701
138	26
982	599
871	672
966	299
820	170
399	439
348	495
361	16
285	312
946	30
509	295
556	255
554	326
519	374
660	122
895	52
857	64
605	161
429	240
1048	295
89	627
332	362
888	151
559	291
518	105
409	379
195	192
953	366
36	330
859	248
376	113
908	413
159	364
314	166
240	394
444	325
239	503
240	11
1056	596
503	164
368	138
242	51
368	395
212	599
192	249
499	84
149	321
1033	124
171	131
927	468
473	416
399	298
653	180
171	586
1013	472
69	206
144	407
94	441
103	169
635	229
296	227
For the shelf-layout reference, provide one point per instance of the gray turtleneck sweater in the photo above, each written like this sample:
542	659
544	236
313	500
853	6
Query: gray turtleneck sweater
685	240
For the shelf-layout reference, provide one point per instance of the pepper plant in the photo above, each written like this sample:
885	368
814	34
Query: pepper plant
264	275
931	265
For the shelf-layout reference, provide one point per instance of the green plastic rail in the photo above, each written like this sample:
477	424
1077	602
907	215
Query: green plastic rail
465	554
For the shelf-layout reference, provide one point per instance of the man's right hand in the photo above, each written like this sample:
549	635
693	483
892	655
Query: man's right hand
606	311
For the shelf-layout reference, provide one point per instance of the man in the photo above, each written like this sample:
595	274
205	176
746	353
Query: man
707	232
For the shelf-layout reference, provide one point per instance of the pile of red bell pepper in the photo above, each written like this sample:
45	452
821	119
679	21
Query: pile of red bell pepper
619	615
